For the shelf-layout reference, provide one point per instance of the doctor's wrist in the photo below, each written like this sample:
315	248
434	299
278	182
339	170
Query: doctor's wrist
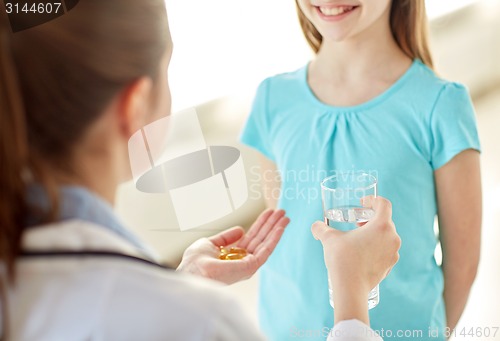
351	302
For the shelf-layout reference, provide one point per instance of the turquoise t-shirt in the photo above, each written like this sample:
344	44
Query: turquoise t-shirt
416	126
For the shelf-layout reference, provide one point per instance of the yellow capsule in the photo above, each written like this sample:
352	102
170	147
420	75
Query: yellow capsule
238	251
223	252
234	256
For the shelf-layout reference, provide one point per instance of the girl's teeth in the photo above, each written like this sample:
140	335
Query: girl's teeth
332	11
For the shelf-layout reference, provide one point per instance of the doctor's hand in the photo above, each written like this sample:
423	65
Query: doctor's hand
360	259
202	257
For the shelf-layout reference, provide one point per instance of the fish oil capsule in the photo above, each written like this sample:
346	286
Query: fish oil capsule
238	250
234	256
232	253
223	252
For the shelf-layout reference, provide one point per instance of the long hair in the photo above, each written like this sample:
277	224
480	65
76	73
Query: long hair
409	27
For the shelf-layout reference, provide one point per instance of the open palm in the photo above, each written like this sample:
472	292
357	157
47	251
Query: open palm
202	257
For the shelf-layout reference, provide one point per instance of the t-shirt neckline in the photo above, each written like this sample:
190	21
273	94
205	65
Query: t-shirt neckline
371	102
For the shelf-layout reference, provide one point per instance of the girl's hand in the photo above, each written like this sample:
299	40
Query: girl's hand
202	257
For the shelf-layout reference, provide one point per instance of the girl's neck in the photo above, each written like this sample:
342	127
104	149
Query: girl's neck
357	69
345	61
371	53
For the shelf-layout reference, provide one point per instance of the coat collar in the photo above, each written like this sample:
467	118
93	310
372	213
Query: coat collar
77	235
84	220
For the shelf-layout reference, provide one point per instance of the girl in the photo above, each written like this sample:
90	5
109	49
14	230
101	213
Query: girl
370	100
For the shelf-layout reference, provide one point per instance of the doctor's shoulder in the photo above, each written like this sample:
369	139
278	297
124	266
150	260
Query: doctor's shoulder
99	285
166	305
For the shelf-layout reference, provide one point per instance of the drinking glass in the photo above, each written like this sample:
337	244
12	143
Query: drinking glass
342	209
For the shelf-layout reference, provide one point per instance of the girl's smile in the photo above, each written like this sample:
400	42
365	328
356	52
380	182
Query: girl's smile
341	20
334	12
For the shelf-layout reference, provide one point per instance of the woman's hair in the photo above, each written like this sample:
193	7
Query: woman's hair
409	27
55	81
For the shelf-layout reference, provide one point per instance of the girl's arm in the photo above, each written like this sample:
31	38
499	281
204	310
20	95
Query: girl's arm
458	186
270	182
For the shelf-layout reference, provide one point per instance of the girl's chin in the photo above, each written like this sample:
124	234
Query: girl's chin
336	37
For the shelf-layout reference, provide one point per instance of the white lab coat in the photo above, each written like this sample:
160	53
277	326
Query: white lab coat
110	298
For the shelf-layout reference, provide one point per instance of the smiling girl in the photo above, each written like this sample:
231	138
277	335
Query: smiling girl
370	100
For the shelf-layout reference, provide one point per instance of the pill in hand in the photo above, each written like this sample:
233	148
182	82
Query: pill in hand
232	253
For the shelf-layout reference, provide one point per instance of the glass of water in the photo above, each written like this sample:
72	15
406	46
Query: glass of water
342	208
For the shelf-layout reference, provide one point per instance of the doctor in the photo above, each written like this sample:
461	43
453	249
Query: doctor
72	92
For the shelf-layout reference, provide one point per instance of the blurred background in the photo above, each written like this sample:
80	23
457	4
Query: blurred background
222	50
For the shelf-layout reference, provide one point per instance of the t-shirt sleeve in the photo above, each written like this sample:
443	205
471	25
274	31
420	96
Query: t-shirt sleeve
256	132
453	125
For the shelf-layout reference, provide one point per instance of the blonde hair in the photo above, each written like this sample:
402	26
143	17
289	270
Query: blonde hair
409	26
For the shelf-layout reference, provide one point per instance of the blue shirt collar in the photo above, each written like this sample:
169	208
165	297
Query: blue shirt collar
80	203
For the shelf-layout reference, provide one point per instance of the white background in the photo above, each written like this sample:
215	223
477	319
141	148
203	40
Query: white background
226	46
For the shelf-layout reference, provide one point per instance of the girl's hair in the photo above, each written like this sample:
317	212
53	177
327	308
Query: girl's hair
408	21
55	81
